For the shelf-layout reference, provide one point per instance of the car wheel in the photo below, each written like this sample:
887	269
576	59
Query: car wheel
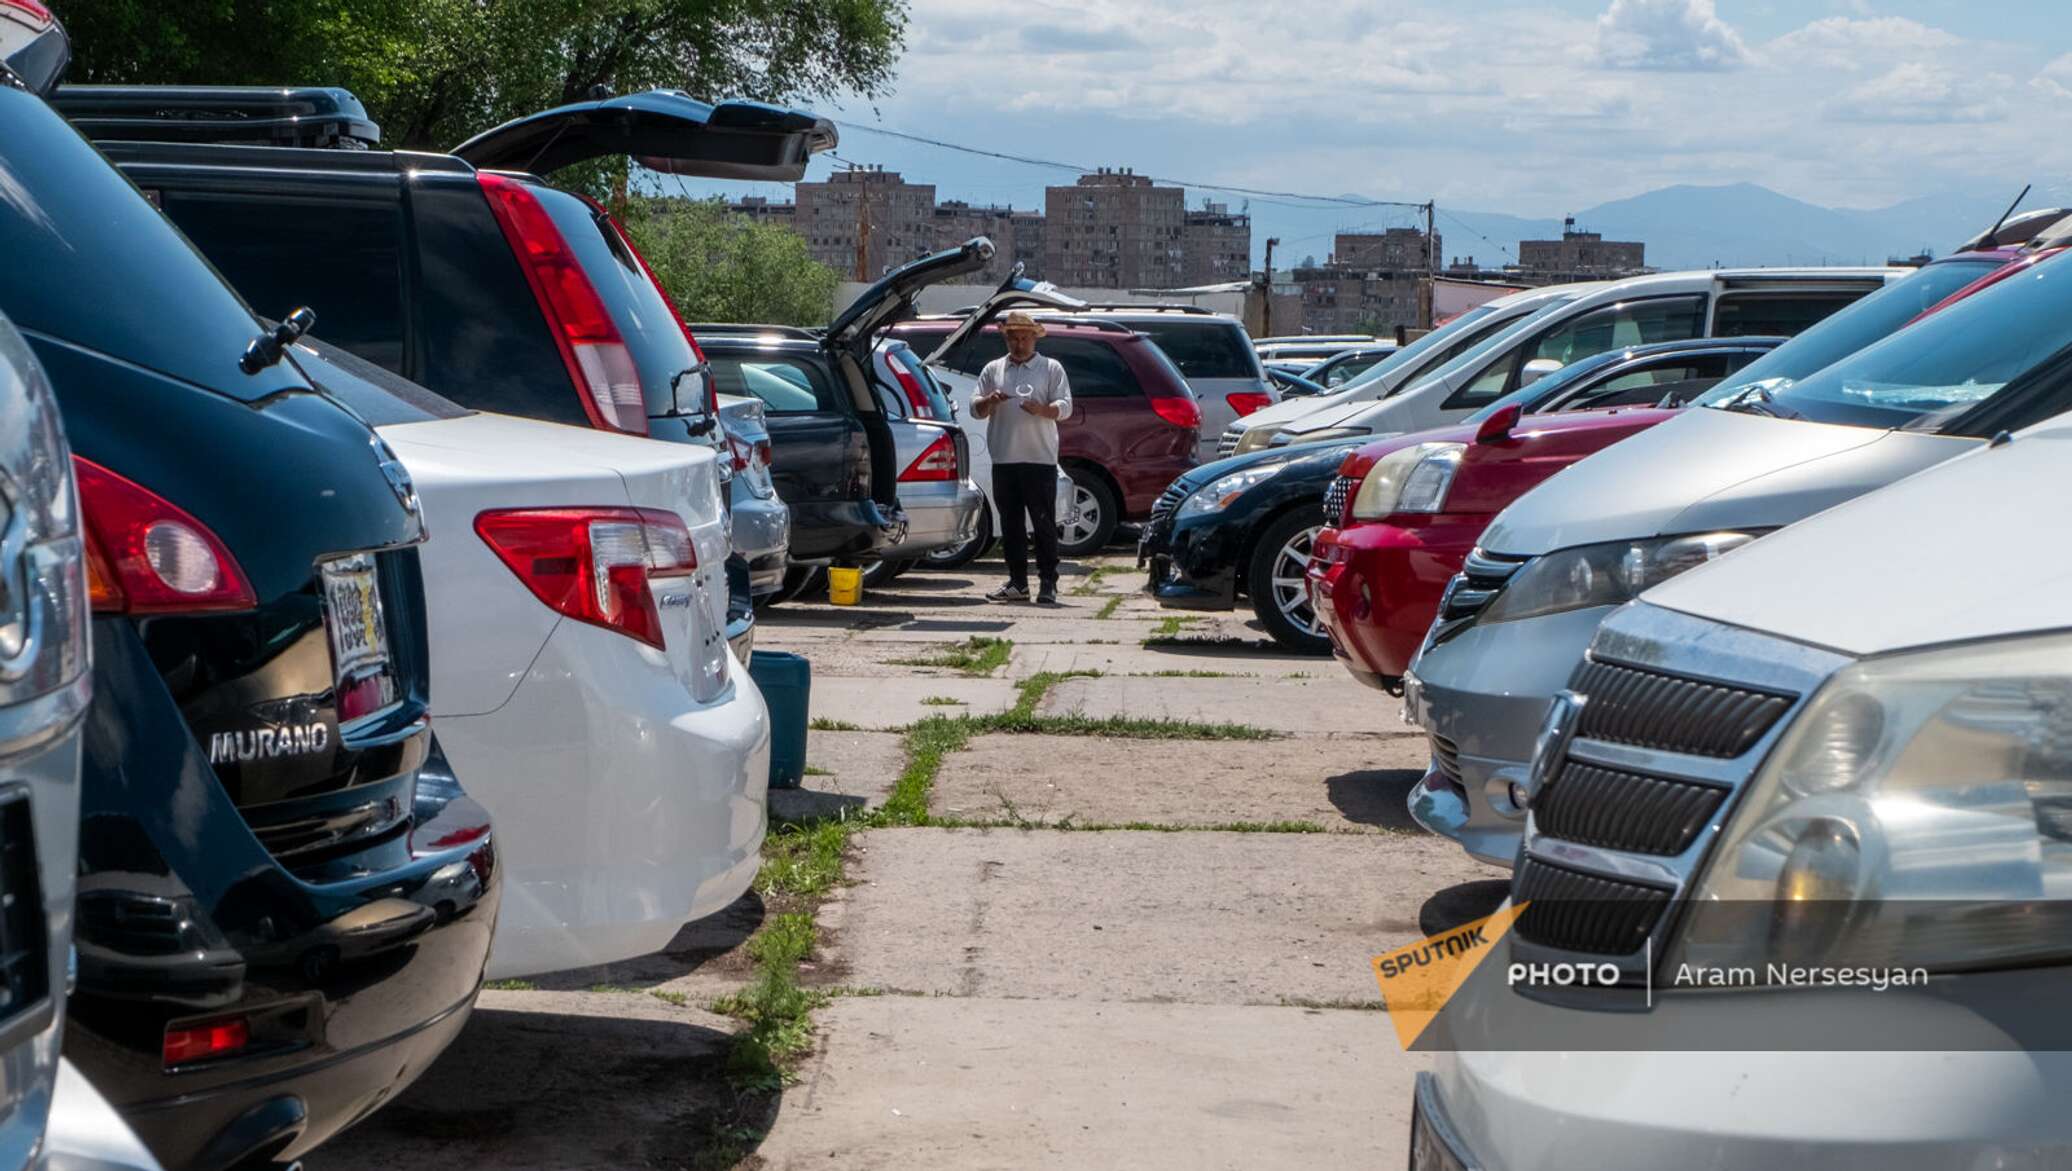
798	580
959	556
878	573
1275	581
1099	513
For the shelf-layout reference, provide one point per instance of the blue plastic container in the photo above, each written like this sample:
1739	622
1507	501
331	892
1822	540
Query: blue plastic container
786	681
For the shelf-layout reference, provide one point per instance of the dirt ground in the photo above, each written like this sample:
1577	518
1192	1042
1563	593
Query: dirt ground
1034	985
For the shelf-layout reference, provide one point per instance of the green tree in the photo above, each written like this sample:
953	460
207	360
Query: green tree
721	266
434	72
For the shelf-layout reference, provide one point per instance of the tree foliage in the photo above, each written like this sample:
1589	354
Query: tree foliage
434	72
721	266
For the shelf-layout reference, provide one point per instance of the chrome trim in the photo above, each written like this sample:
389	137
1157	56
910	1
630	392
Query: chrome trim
1704	770
1552	742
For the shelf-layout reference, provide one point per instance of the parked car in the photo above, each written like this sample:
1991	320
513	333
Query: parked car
915	391
1213	353
943	503
1346	365
1860	719
1756	453
758	520
1405	368
1292	386
285	897
1133	425
1395	535
1657	308
49	1111
455	270
622	749
1242	527
34	49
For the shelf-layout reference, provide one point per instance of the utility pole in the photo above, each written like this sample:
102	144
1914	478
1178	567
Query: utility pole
1431	281
1266	302
863	230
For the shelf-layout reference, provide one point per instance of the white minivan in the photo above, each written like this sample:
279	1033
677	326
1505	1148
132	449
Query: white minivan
1896	802
1662	307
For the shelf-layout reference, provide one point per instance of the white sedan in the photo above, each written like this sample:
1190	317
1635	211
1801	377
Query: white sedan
582	686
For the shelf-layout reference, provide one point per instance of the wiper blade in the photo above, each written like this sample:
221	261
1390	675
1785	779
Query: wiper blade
1758	400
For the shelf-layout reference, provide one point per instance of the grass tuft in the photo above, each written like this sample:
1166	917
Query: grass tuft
1109	607
977	655
511	986
823	724
942	701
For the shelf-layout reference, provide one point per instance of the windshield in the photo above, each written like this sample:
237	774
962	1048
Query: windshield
1415	353
1871	319
1925	375
1204	348
1458	346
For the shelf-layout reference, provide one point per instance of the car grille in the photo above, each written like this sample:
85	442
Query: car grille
1226	444
1446	758
1628	705
1471	591
1621	810
24	947
1338	499
1582	912
1169	500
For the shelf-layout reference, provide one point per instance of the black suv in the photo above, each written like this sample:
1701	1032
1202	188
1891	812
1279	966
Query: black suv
285	902
463	271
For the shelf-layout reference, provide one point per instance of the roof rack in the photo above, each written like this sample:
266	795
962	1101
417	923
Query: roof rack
252	115
739	327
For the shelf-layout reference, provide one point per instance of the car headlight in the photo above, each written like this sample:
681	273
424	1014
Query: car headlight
1253	439
1605	575
1414	479
1915	815
1217	494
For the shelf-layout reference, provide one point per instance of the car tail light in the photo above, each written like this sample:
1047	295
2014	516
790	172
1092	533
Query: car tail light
592	348
1244	402
1179	410
762	451
145	555
937	463
190	1043
743	452
916	397
594	564
36	13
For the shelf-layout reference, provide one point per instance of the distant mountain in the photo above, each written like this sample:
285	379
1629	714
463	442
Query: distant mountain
1683	226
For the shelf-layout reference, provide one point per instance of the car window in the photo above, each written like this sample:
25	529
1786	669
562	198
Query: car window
1346	369
909	360
788	385
1096	370
374	393
1627	323
1677	378
350	273
661	350
1786	314
972	354
1203	347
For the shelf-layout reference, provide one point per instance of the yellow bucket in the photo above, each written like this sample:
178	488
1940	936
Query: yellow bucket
844	586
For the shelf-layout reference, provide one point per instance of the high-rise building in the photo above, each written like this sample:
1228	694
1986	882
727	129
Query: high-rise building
1114	229
1580	256
1394	250
1217	245
957	221
889	219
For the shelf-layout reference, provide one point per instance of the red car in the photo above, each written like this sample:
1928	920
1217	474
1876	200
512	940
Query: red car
1377	578
1133	424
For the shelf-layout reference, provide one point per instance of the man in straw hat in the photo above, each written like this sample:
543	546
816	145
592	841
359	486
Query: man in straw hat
1022	396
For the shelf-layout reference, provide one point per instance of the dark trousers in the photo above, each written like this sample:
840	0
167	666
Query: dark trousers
1030	489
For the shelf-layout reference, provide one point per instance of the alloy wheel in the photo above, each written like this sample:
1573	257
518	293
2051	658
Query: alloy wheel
1290	592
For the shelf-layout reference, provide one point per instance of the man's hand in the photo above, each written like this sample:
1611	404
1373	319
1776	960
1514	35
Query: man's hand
1040	410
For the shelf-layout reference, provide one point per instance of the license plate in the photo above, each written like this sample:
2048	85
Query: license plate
359	636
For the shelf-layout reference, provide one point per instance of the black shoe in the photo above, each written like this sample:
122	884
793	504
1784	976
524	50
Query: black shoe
1009	593
1047	596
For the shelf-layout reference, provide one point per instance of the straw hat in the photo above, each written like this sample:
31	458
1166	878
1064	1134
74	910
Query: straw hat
1020	319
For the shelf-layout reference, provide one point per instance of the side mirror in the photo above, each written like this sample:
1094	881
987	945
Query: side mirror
1497	426
1537	369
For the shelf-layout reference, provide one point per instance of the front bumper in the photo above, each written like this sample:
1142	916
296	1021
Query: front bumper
1376	588
1481	696
628	809
761	534
940	515
1192	564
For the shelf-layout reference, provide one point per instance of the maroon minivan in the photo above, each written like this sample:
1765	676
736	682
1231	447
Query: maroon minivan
1133	424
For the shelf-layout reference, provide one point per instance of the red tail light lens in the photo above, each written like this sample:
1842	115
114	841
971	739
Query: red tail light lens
916	397
936	464
742	451
598	361
1244	402
594	564
201	1042
1179	410
146	555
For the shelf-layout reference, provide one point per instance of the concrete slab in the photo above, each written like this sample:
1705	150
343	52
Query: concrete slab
1328	705
554	1080
1132	658
1201	917
705	961
881	704
1343	785
907	1082
860	769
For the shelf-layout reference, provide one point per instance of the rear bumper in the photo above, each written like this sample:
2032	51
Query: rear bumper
627	809
1376	588
761	532
939	516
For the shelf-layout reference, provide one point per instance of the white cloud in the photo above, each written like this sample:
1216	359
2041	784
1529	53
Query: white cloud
2055	79
1673	35
1855	46
1926	93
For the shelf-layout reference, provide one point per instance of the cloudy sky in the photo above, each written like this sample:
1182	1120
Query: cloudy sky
1497	106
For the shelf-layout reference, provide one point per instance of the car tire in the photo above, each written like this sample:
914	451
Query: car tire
1099	513
881	572
1274	579
959	556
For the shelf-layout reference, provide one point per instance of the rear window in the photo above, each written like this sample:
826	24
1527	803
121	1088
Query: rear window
379	396
911	362
661	350
788	384
1096	370
1777	314
88	260
1204	348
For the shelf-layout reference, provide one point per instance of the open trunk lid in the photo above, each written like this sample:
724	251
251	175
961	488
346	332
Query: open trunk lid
891	300
664	130
1016	292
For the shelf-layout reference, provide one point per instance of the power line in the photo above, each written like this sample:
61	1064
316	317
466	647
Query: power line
1479	236
1254	192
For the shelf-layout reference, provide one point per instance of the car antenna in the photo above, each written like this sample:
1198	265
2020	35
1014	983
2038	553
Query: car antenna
1999	223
